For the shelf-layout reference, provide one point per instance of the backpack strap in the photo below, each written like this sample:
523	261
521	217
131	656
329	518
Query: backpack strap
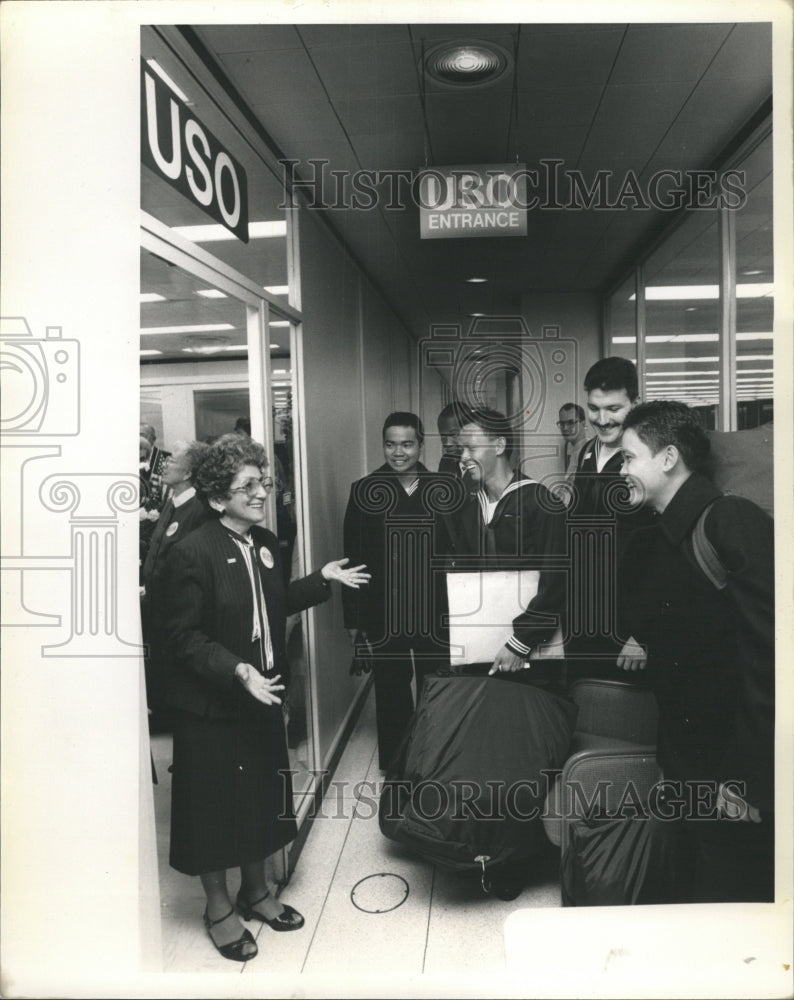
706	554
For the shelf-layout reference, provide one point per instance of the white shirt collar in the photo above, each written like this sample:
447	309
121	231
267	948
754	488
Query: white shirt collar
189	493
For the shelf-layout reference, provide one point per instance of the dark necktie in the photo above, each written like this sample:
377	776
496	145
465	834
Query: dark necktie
157	539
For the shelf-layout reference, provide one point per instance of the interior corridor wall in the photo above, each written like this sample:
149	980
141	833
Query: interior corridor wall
578	316
356	368
386	358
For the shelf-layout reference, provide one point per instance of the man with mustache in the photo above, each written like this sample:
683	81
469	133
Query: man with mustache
600	512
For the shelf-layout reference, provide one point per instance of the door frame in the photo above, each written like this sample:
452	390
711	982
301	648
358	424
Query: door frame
161	240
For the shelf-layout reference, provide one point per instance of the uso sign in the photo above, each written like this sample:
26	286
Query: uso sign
178	148
488	200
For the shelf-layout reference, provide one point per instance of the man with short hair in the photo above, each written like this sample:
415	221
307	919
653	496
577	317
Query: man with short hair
571	422
448	428
182	513
710	652
392	621
612	391
513	523
514	516
600	520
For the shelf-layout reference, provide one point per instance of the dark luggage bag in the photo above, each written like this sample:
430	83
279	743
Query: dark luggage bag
469	784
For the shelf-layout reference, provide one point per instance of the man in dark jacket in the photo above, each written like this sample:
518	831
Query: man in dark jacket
511	522
182	513
448	428
710	653
600	521
389	526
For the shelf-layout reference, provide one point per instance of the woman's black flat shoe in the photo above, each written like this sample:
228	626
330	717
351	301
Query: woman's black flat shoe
288	920
234	949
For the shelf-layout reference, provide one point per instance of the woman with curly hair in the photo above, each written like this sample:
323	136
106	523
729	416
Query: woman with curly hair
231	800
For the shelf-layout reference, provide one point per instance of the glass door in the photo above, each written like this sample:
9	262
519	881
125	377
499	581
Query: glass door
215	357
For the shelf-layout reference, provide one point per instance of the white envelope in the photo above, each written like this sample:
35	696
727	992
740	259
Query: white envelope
482	607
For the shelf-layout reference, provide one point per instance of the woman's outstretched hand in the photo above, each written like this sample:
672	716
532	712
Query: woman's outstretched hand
350	576
257	685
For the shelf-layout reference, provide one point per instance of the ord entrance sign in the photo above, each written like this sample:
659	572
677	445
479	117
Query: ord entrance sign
489	200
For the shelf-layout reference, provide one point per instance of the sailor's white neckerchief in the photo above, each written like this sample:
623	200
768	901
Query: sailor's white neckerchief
482	496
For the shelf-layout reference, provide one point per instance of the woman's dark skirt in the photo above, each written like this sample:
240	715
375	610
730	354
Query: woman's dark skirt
231	798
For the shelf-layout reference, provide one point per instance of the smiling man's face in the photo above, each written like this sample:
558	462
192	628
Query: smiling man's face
401	449
606	411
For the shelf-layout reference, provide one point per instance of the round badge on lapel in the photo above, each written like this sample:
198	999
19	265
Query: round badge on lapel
267	557
172	529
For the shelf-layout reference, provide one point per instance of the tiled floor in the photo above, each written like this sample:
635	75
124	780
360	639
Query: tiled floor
446	927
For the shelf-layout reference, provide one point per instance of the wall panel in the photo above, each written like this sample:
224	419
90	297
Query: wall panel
578	316
332	413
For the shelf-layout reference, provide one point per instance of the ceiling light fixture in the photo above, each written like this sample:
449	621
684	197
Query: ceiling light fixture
195	328
150	297
749	290
211	293
277	289
205	345
467	63
476	281
214	234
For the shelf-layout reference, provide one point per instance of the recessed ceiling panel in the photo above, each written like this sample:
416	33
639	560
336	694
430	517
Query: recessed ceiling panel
380	116
223	38
566	56
342	35
366	70
671	53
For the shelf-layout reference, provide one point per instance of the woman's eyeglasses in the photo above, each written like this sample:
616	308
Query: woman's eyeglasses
252	486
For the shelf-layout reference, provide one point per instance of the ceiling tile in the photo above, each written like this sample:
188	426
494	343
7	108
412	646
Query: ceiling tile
344	35
435	33
572	105
283	77
656	102
286	127
225	38
580	55
551	141
376	70
747	52
667	52
732	100
391	152
381	115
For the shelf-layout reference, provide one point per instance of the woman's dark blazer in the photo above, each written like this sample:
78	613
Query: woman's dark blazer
210	615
